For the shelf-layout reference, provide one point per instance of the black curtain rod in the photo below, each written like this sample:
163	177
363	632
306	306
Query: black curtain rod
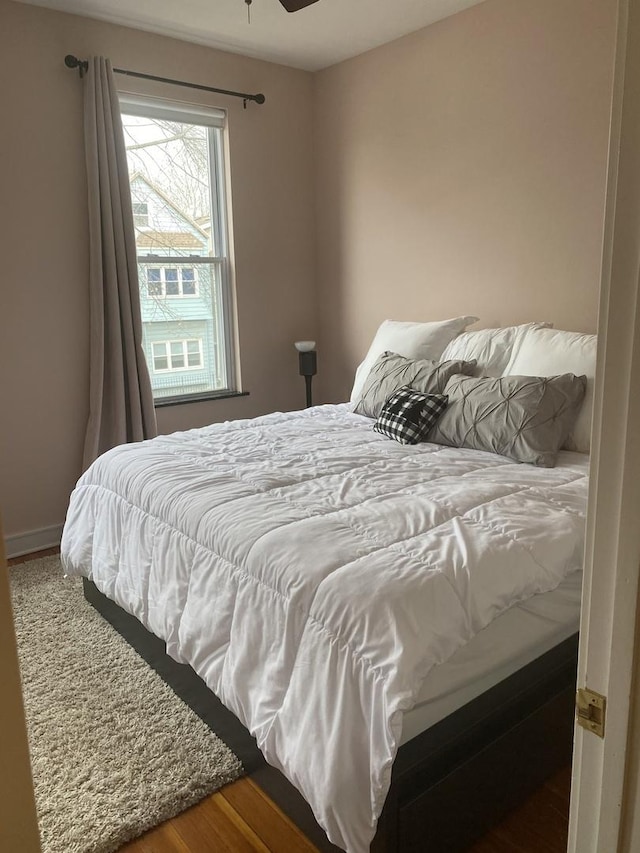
83	66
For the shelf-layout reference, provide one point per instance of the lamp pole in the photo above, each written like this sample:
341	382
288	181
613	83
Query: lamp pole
308	365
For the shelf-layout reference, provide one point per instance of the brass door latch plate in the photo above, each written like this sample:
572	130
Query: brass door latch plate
591	710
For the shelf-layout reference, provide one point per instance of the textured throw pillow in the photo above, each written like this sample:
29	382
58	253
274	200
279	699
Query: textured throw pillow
490	348
526	418
391	371
408	415
549	352
413	340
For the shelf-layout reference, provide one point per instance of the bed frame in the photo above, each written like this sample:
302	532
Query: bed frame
451	783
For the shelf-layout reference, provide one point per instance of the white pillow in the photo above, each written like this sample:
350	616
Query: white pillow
490	348
412	340
550	352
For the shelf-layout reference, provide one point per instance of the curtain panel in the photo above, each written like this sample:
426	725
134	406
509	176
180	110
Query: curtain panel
121	406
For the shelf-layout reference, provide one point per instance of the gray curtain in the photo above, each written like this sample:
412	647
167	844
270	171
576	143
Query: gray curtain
120	396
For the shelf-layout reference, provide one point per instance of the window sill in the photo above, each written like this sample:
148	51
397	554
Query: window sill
198	398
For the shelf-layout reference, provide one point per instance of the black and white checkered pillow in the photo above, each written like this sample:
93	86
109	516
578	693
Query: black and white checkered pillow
408	415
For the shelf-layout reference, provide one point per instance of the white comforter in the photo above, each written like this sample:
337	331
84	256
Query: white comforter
313	572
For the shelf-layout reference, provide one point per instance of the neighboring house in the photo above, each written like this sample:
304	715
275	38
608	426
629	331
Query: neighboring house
178	299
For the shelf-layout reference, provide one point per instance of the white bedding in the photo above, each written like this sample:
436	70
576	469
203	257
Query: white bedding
313	572
515	638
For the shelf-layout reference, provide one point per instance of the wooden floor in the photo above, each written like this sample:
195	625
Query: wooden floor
540	825
240	818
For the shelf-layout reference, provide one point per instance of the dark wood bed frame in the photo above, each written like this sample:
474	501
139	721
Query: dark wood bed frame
451	783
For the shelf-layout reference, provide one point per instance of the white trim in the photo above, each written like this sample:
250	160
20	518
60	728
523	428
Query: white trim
223	308
602	786
34	540
182	111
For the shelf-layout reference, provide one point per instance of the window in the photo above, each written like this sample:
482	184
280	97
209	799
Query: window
140	213
177	355
171	281
177	178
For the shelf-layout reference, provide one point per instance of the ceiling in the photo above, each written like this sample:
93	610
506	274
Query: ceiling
313	38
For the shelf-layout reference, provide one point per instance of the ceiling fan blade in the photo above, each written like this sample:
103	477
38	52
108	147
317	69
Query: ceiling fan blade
296	5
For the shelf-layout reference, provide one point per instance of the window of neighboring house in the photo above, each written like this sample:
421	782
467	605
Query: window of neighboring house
176	163
140	213
171	281
177	355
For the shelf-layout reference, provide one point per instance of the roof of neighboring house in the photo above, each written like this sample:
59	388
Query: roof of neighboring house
168	240
139	176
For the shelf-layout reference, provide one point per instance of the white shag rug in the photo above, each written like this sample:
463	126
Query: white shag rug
114	751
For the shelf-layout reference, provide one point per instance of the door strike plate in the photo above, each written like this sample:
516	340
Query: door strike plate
591	709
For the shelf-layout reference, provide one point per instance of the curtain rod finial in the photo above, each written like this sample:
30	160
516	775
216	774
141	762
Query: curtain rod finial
72	61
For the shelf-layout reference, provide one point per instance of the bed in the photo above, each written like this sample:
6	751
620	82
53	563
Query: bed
392	624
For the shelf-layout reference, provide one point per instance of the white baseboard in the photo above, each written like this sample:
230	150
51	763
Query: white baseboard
33	540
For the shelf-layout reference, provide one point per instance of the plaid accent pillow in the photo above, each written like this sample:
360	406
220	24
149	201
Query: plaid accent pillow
408	415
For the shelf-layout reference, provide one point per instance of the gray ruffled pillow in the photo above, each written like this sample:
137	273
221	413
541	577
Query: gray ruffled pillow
526	418
392	371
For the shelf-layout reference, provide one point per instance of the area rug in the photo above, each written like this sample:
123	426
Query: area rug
114	751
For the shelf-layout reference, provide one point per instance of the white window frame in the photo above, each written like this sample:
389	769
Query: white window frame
215	122
137	216
184	342
163	282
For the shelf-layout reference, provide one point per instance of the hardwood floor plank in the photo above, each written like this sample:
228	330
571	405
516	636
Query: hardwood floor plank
540	825
494	844
207	827
160	839
275	829
560	784
238	818
535	829
227	811
49	552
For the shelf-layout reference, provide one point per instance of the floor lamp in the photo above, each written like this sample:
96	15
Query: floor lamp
308	364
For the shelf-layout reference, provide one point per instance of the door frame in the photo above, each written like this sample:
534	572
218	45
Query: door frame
18	820
607	654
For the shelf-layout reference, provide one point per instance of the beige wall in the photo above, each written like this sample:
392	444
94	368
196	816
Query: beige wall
43	233
461	170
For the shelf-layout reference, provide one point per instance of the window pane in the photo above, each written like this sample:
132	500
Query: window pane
169	171
140	213
154	285
171	282
188	281
194	356
177	354
160	362
173	177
